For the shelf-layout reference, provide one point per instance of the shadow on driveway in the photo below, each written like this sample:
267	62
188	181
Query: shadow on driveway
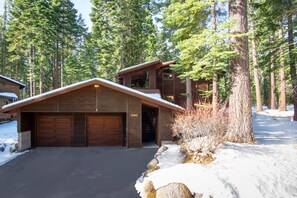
74	172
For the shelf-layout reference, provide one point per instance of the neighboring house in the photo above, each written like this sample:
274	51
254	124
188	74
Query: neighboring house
99	112
157	77
9	92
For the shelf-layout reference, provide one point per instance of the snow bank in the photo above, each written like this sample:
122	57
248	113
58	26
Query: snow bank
240	170
8	139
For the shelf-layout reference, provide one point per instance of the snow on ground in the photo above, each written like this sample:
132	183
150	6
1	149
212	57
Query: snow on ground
241	170
8	139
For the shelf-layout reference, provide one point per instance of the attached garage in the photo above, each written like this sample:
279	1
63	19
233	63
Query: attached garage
95	112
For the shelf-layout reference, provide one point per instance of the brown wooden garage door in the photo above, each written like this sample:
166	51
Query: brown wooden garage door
104	130
54	130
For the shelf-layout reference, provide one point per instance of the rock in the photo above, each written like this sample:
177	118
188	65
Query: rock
179	142
162	149
198	195
2	148
167	142
149	190
152	166
156	155
153	163
174	190
12	149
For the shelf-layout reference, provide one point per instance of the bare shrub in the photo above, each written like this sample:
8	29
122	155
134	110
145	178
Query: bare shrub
200	130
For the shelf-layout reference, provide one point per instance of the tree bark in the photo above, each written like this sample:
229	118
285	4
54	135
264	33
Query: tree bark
215	89
292	64
282	80
56	65
3	41
240	108
255	62
272	92
189	93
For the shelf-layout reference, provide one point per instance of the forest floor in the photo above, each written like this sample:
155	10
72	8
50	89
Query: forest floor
267	169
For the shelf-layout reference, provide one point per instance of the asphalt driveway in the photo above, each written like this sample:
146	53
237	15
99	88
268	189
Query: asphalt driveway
74	172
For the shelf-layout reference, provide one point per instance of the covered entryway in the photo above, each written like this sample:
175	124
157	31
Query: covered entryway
54	129
149	125
104	130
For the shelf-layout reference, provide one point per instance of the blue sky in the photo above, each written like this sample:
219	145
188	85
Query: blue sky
83	7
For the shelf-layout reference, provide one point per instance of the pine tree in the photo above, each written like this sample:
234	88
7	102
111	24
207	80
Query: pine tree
123	35
41	35
203	52
255	60
240	110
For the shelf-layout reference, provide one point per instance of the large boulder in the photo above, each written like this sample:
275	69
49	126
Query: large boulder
174	190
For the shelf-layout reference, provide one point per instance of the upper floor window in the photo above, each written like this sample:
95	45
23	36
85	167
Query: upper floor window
2	83
167	76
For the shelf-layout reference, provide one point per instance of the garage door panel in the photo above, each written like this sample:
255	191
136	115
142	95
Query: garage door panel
96	141
113	123
54	130
104	130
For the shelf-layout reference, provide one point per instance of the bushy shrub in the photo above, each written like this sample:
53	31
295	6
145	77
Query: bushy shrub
200	130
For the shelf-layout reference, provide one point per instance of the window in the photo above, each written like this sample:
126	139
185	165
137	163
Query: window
167	76
2	83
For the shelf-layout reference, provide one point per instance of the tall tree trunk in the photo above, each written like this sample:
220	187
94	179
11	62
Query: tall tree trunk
240	107
3	41
255	61
272	91
56	66
292	64
62	66
215	89
282	80
189	93
31	71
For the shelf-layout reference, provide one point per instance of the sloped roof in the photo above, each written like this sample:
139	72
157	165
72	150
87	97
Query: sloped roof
145	65
99	81
13	81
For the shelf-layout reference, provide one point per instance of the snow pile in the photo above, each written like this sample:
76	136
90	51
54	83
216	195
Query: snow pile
171	157
8	139
241	170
